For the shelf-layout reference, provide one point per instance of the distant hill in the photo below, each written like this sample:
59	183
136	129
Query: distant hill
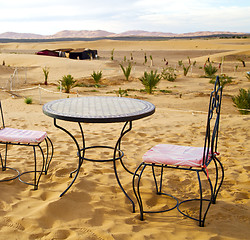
15	35
105	34
81	34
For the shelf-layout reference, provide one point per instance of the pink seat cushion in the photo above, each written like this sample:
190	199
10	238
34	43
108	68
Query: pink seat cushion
21	136
175	155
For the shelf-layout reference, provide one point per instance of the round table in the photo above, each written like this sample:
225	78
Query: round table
99	109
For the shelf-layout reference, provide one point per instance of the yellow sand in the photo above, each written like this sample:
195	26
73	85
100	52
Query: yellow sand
95	207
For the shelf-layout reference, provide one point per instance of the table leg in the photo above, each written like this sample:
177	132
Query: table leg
79	155
118	148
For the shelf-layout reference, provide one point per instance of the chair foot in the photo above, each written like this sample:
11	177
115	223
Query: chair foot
200	220
12	178
35	184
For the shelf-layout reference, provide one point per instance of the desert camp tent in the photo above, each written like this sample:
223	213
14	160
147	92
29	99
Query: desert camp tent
83	54
47	52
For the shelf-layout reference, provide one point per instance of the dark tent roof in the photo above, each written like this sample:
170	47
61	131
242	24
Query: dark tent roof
82	54
48	53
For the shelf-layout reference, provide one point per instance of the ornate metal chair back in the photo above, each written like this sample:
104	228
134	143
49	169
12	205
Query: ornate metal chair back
213	120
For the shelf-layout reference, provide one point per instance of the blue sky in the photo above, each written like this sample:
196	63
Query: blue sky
176	16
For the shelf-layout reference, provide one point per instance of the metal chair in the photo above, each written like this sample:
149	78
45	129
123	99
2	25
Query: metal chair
30	138
193	159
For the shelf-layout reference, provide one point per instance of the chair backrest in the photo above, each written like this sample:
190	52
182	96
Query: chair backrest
3	125
213	120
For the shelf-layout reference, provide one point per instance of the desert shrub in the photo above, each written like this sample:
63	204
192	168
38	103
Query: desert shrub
166	91
121	92
67	82
185	69
150	80
168	74
210	70
242	101
224	79
112	54
126	71
28	100
180	63
248	76
97	77
46	75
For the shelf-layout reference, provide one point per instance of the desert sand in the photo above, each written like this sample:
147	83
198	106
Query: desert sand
95	207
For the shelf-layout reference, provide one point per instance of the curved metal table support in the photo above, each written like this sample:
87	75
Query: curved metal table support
117	156
99	110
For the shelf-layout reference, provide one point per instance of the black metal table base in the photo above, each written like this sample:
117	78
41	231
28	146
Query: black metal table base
117	156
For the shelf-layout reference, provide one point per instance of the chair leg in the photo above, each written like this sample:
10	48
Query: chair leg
3	162
36	180
136	189
4	165
216	190
202	219
37	173
216	181
48	154
158	188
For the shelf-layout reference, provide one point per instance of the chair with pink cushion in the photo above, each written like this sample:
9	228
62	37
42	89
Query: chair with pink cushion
187	158
30	138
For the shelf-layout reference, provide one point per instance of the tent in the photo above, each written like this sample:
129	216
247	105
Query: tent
83	54
47	52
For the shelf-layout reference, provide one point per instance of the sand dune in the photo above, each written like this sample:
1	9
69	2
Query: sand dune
95	208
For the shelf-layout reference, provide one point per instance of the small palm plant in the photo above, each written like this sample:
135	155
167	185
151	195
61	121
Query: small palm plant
126	71
210	70
97	77
46	75
112	54
180	63
185	69
67	83
242	101
122	92
150	80
168	74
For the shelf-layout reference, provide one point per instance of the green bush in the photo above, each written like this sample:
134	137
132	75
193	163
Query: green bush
210	70
185	69
242	101
150	80
112	54
180	63
121	92
46	75
67	83
126	71
97	77
28	100
224	79
168	74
